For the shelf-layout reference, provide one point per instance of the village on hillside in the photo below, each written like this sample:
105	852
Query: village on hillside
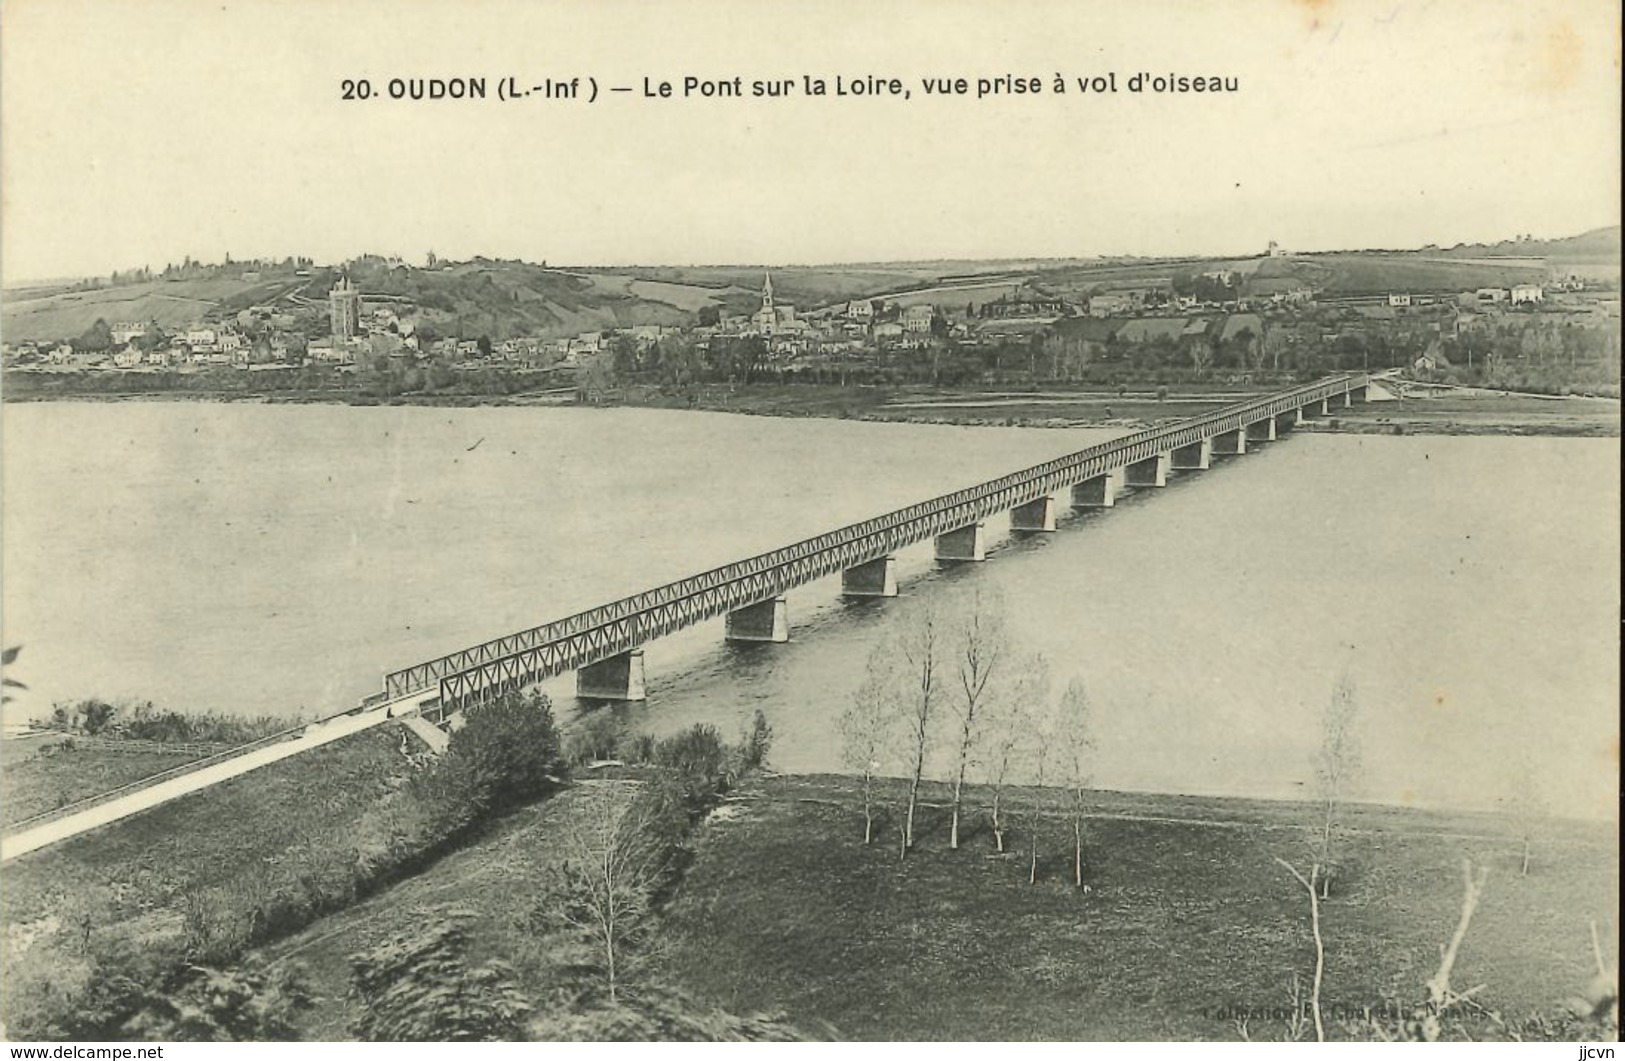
1182	321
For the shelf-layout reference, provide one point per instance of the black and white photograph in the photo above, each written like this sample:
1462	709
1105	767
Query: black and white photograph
726	521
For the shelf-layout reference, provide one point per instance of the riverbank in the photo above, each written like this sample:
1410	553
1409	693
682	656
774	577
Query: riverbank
1481	413
1458	411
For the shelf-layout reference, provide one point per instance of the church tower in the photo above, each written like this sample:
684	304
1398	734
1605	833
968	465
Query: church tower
344	309
766	318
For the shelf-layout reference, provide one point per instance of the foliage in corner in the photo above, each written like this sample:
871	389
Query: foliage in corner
420	987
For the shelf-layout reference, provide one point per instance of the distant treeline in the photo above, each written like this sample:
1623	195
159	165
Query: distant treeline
310	382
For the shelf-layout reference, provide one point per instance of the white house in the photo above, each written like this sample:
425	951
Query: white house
1526	293
1107	305
124	331
918	318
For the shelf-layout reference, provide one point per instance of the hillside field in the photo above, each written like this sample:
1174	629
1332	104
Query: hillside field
174	304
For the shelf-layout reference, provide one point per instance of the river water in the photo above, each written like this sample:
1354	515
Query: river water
280	558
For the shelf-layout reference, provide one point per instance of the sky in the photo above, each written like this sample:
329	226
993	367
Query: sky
140	134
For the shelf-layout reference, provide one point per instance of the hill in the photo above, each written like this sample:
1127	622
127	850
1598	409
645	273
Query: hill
508	299
54	312
1377	273
1600	245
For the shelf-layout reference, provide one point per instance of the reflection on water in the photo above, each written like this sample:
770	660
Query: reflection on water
273	558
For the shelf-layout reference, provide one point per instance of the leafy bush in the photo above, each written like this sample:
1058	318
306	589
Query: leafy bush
755	743
506	753
663	1016
118	988
641	748
598	738
208	1005
699	762
142	721
419	987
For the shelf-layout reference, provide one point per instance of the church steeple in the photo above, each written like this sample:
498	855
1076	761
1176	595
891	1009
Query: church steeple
767	290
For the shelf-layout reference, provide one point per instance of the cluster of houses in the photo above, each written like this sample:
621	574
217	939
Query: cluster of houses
266	336
202	345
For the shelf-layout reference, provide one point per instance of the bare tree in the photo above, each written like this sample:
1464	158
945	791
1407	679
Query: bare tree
1075	746
869	731
1309	885
1441	996
917	646
1011	730
616	857
1041	725
1337	766
979	645
1428	1024
1523	804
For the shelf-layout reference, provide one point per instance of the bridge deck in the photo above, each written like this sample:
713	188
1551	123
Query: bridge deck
541	652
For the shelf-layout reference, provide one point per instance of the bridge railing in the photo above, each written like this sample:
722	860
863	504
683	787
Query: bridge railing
613	627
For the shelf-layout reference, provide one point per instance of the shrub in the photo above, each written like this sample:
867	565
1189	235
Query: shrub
420	988
755	742
598	738
506	753
641	748
208	1005
142	721
664	1016
698	759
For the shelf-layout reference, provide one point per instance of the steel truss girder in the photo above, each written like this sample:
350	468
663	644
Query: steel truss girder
529	656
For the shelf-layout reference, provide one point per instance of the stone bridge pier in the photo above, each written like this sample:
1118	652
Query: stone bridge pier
616	678
1098	492
1230	443
1262	430
1196	457
965	544
1035	517
877	578
1150	472
767	620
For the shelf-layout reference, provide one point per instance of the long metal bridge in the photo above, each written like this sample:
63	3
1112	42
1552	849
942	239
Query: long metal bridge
604	643
612	630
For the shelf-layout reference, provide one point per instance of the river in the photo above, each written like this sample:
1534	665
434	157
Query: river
279	559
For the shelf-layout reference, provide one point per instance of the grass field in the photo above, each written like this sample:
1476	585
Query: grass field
65	774
239	838
51	314
805	288
1376	274
1485	412
686	297
1188	917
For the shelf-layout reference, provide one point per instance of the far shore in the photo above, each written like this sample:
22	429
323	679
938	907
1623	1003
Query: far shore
1443	412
